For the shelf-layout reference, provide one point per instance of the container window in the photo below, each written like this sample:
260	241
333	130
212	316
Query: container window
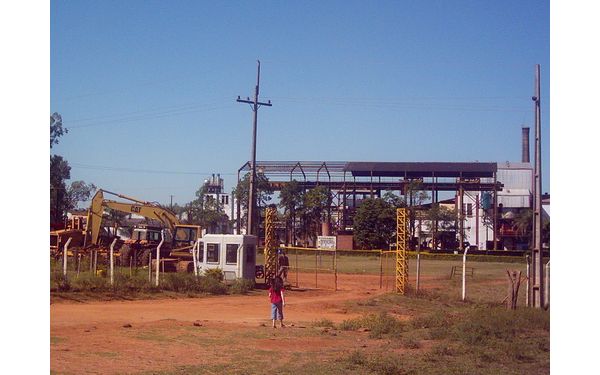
212	253
231	253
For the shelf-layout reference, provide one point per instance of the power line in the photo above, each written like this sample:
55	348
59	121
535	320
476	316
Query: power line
148	111
147	117
137	170
365	102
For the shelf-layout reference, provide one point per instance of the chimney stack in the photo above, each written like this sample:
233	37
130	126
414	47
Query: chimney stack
525	145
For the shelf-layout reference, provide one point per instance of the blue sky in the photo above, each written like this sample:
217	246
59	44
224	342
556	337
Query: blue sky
149	87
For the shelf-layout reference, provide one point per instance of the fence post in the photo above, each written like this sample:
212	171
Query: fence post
316	267
95	262
418	269
547	289
464	275
380	269
150	267
65	250
162	239
296	255
527	302
194	259
335	268
78	263
112	270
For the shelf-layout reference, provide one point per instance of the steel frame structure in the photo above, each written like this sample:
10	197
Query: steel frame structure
349	181
401	247
270	245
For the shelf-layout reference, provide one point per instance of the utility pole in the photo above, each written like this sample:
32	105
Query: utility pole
537	268
255	104
171	202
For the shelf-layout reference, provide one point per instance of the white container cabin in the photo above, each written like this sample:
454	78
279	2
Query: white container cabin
234	254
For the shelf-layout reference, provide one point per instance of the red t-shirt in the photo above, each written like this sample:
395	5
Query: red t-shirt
276	297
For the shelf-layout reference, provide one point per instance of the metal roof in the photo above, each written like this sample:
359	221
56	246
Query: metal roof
422	169
376	169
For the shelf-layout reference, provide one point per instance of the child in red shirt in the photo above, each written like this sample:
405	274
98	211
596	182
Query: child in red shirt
277	300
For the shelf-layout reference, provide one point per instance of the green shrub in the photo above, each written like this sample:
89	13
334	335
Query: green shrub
131	284
323	323
241	286
436	319
59	282
180	282
410	343
209	284
385	365
378	325
482	325
87	282
215	273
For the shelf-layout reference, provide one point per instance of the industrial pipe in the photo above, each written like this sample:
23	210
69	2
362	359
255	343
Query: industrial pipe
162	239
464	275
112	263
65	249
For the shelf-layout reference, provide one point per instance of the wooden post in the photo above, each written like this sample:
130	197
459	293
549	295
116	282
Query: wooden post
112	271
514	278
380	269
78	263
316	267
335	269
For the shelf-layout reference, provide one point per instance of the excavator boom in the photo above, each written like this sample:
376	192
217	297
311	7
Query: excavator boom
146	209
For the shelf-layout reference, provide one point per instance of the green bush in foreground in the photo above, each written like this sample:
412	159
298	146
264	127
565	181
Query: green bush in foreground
378	325
241	286
357	362
126	284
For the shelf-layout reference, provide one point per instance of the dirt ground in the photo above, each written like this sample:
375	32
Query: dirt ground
150	336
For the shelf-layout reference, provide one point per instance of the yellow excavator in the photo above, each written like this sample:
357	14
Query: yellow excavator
178	239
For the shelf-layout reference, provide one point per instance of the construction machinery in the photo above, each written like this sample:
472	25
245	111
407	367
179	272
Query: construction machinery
177	237
74	228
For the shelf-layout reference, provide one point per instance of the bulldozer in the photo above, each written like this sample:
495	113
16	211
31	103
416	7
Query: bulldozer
74	229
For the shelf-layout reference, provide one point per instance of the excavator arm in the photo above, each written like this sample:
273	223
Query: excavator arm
147	209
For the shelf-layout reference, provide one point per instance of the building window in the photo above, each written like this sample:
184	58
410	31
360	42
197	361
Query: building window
231	253
469	209
212	252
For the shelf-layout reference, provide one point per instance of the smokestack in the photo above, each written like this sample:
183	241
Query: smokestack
525	145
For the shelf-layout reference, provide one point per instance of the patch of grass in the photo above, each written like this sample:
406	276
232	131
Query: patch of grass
57	340
107	354
323	323
152	335
377	324
127	286
358	362
410	343
480	326
241	286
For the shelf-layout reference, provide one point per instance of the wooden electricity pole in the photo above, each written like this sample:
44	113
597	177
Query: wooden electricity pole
537	269
255	104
